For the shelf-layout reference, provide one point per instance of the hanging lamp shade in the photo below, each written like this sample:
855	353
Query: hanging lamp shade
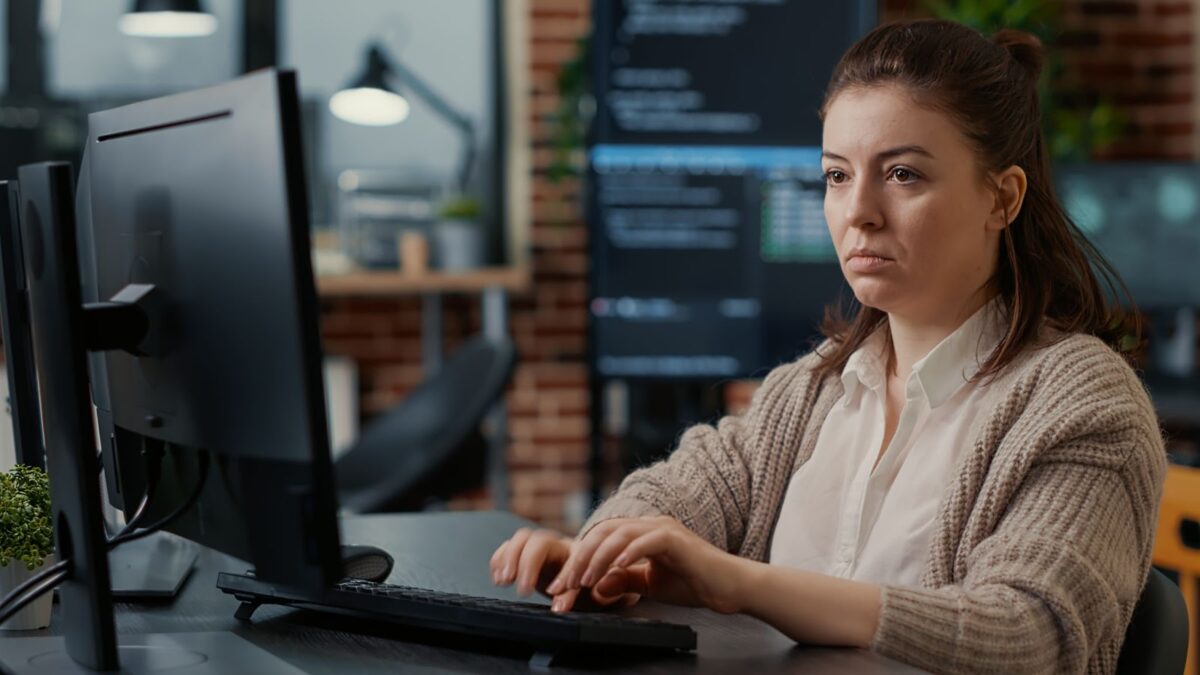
369	99
167	18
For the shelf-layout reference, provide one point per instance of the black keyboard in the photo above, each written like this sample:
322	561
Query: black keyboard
525	622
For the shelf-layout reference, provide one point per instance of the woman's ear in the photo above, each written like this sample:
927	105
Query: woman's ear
1010	195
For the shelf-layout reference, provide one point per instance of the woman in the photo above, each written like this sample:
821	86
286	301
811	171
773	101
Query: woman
965	476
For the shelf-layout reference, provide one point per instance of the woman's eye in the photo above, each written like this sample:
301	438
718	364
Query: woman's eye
834	177
903	175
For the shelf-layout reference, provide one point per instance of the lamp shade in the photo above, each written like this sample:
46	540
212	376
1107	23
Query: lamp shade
369	100
167	18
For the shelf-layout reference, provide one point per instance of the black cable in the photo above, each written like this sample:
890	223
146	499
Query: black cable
15	593
52	576
153	460
128	535
19	604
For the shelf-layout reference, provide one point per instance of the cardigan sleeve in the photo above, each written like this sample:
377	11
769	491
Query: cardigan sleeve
705	483
1052	587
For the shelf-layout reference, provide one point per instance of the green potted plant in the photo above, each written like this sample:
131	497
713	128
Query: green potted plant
1075	123
26	540
458	236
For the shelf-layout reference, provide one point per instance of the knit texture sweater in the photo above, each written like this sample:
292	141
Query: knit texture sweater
1043	539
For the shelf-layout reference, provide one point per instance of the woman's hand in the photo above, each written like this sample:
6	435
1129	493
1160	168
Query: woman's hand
532	558
656	557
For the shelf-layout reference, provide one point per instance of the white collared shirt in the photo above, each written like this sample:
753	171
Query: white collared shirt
840	517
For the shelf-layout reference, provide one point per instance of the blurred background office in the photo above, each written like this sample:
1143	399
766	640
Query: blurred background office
531	153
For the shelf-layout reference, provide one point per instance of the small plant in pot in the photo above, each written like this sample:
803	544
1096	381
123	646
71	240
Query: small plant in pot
26	540
458	236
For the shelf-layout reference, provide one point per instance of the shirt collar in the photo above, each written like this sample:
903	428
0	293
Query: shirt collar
957	358
865	366
944	370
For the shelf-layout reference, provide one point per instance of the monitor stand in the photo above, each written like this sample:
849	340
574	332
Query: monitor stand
1176	353
151	568
174	653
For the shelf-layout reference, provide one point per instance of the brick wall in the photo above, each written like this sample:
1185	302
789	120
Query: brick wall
548	399
1141	54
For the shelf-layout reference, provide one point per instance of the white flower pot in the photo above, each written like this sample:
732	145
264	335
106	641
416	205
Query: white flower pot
35	615
458	245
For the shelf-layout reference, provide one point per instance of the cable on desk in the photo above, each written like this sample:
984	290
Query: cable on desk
153	457
127	534
48	582
52	576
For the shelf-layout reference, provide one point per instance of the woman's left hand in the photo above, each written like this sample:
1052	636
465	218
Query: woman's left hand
657	557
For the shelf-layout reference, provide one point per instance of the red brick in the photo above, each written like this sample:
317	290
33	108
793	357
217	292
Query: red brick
1106	70
1173	8
1078	38
1172	129
553	53
559	375
738	394
560	7
1152	98
1149	39
1108	8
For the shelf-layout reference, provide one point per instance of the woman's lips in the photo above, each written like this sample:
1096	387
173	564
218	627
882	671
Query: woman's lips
867	263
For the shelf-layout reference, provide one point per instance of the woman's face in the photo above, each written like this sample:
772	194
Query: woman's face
916	230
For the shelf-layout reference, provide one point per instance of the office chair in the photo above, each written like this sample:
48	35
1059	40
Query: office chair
1156	641
428	446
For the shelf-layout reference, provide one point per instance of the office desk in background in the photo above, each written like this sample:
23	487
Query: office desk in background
492	284
450	552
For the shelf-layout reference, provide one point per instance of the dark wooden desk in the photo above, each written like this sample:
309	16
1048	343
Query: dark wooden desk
450	551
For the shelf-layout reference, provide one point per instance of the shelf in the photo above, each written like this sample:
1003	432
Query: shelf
388	283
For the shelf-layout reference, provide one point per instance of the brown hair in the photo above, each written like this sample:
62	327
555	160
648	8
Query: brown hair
989	88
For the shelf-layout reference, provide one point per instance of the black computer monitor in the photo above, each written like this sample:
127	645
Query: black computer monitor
709	253
202	195
14	319
1145	218
57	326
196	242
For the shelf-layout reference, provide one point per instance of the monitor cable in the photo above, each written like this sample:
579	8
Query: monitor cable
54	575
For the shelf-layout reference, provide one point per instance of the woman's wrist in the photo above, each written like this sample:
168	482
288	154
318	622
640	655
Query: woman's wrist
748	579
809	607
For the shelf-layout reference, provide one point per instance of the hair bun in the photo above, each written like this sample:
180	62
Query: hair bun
1024	47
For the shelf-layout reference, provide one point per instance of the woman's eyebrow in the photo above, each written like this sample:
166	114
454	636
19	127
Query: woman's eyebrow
886	154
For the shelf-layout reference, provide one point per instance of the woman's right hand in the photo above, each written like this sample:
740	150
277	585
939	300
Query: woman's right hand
533	558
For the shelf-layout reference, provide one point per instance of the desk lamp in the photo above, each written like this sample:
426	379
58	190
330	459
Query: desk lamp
373	99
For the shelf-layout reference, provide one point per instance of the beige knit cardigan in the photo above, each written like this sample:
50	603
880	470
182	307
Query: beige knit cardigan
1043	539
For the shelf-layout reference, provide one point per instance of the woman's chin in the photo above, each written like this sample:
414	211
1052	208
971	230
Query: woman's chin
875	298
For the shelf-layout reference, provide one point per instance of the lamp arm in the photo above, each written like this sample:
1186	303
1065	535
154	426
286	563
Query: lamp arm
448	112
467	161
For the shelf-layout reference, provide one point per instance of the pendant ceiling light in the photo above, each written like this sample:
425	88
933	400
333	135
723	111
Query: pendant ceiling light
167	18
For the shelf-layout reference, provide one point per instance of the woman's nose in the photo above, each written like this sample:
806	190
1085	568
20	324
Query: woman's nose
862	208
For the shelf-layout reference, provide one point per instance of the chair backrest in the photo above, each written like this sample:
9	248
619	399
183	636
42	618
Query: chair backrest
1156	641
1175	545
407	444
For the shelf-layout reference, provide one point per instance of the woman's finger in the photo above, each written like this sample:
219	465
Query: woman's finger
529	567
654	542
581	555
512	554
563	581
496	562
606	552
623	581
563	602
